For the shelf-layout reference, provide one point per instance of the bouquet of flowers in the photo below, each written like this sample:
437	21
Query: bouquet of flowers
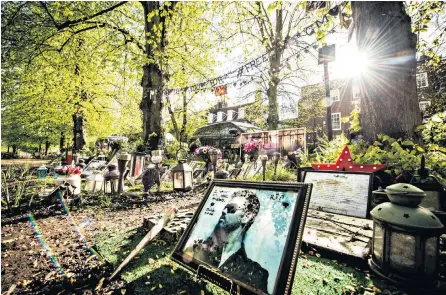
252	147
204	152
69	171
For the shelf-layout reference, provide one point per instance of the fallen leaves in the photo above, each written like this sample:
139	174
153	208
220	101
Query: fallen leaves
350	288
151	260
11	289
99	286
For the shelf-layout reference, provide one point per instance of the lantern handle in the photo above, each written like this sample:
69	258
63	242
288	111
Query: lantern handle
176	155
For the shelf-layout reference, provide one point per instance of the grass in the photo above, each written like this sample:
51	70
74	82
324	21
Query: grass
152	272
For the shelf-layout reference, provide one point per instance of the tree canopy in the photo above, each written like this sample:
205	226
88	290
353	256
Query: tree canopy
127	66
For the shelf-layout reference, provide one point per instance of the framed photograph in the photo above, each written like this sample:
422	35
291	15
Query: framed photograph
340	192
245	236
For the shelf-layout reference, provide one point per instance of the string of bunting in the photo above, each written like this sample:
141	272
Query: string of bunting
255	63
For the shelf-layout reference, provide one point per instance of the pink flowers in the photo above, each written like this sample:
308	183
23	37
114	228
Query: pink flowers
68	170
252	146
204	151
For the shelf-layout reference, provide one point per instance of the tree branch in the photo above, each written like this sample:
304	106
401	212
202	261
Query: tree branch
43	4
86	18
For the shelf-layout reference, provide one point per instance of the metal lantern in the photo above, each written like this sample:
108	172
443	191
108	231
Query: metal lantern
58	167
435	199
102	157
94	183
264	159
157	156
276	157
42	172
111	180
213	156
182	173
405	238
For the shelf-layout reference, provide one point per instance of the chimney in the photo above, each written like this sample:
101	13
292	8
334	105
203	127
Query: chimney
220	116
241	113
230	115
211	118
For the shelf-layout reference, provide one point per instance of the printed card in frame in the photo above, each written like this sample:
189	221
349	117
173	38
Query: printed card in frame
245	236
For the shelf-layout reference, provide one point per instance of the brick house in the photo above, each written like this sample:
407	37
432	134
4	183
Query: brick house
430	82
343	96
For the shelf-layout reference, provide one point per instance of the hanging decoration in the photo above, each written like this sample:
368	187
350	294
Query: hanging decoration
251	65
221	90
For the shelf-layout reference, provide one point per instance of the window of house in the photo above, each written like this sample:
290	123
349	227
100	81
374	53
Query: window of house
422	80
336	121
424	105
334	94
356	92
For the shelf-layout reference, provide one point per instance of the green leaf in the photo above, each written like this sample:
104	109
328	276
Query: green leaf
419	148
407	142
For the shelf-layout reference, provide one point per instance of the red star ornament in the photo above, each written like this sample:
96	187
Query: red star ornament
345	163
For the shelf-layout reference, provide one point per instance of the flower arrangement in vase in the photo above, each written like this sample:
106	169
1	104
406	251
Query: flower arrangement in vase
69	171
71	175
252	148
203	152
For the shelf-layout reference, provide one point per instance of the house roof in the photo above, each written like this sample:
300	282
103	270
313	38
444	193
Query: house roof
222	128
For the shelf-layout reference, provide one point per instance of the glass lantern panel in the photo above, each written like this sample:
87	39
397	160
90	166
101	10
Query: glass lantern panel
378	242
89	185
188	179
108	186
97	185
431	201
178	180
402	252
430	258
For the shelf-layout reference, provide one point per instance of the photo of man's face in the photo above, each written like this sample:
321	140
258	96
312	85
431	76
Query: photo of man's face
233	214
242	232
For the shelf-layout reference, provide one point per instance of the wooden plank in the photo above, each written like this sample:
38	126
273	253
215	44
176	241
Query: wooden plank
343	219
344	234
339	244
333	229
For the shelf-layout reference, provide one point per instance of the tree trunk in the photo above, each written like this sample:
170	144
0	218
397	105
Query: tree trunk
62	141
271	92
274	70
152	83
8	149
151	105
173	119
14	149
389	103
183	127
47	147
